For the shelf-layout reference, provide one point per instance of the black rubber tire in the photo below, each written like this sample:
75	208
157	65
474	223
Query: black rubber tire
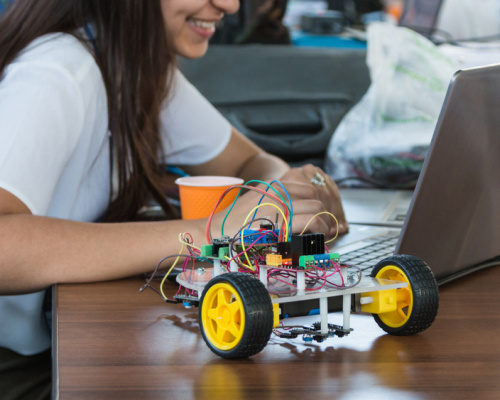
425	294
258	311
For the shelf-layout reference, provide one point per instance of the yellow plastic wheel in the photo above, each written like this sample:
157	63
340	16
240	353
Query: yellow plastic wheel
236	315
223	316
417	304
404	300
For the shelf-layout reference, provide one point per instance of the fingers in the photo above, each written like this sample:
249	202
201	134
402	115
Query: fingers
303	223
314	196
309	216
311	183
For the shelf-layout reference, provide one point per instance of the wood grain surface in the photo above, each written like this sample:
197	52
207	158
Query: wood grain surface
112	341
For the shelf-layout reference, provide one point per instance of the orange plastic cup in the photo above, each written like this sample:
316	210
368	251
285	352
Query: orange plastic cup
199	194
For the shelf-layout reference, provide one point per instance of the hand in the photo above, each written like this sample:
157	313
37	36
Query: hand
312	192
308	200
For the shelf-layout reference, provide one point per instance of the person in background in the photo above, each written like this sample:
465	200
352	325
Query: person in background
354	10
257	21
92	108
393	8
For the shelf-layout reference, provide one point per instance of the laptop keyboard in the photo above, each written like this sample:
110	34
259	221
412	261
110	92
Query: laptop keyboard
376	250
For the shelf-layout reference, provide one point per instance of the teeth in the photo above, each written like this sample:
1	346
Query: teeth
203	24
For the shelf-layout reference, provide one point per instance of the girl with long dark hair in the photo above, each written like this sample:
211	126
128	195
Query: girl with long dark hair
92	108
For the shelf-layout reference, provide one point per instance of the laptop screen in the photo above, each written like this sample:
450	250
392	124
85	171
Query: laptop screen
421	15
454	218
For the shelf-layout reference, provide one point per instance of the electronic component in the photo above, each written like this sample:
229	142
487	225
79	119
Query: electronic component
306	261
306	245
274	259
218	243
268	274
285	250
260	236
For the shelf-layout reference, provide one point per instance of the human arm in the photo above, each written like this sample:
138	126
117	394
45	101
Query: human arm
244	159
40	251
37	251
56	162
206	151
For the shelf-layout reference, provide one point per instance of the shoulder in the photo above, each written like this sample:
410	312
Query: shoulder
181	87
59	49
56	59
193	129
55	71
53	124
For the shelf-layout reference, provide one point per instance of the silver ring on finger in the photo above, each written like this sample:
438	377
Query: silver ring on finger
318	179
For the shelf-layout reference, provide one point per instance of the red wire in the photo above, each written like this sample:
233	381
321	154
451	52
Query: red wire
277	199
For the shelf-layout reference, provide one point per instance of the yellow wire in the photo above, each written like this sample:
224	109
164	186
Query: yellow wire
285	222
245	265
187	243
330	214
184	244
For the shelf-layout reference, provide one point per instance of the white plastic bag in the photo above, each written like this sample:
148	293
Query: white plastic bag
468	19
382	140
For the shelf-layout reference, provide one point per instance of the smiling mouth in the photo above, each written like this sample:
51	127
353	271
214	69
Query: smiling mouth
209	25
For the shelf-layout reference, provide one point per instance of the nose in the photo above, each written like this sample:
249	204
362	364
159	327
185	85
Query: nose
227	6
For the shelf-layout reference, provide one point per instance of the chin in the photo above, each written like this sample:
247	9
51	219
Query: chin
193	52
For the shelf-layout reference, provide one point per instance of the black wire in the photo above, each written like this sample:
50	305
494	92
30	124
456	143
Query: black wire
146	285
461	42
448	37
235	237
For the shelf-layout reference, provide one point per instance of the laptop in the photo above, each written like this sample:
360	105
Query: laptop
453	218
378	207
421	16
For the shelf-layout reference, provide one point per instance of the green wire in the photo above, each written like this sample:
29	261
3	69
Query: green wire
238	195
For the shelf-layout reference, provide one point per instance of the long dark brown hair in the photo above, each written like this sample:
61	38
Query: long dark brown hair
136	61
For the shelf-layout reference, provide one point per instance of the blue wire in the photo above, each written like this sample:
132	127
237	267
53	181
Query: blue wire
253	217
289	201
287	195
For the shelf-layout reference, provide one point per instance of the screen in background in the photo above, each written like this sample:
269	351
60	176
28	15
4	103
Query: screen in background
421	15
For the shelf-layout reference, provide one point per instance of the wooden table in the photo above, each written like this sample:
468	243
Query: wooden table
113	342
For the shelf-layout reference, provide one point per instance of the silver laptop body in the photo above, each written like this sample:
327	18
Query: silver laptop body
453	221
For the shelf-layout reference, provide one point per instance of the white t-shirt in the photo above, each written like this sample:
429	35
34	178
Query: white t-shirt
54	150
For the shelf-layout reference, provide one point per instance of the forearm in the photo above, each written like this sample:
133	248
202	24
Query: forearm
244	159
264	167
38	251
